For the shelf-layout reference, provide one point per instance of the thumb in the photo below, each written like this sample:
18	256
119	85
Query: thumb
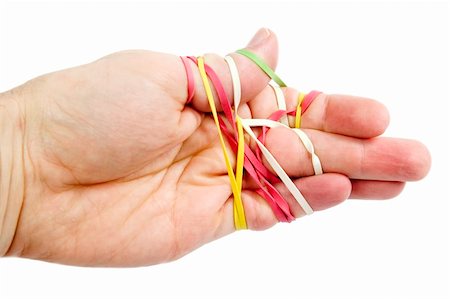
253	79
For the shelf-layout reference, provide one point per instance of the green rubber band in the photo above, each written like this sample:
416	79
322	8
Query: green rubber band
263	65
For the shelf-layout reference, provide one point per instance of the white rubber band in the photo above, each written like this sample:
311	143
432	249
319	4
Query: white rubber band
236	83
310	148
278	169
248	123
281	101
303	137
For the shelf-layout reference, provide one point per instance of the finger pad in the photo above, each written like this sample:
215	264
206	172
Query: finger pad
363	189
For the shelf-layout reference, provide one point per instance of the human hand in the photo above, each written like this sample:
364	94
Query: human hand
120	172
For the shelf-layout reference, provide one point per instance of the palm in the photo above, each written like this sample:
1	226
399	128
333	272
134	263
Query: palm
128	163
123	173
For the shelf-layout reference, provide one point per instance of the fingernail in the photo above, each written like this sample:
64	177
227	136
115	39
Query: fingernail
259	37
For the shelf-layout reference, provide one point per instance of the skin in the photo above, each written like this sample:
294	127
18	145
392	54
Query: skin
119	172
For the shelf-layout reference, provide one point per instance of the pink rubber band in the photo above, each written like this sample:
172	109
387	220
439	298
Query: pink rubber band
190	79
273	197
226	106
307	101
222	95
253	164
309	98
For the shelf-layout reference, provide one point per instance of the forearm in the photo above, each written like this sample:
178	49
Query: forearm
12	179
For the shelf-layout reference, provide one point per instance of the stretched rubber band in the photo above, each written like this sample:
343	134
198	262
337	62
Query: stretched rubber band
272	161
278	115
190	79
236	83
317	165
305	103
244	155
281	101
222	95
309	98
238	211
263	65
303	137
246	124
276	201
238	207
298	114
236	185
279	206
273	197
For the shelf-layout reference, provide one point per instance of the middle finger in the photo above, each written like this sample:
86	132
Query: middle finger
382	158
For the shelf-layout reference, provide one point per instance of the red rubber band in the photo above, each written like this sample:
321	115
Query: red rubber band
222	95
309	98
253	164
307	101
190	79
258	171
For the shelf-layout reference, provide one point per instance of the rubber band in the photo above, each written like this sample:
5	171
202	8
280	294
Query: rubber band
317	165
254	167
241	141
263	65
238	209
245	158
281	101
309	98
303	137
283	118
305	103
246	124
222	95
273	197
298	113
240	214
280	115
279	206
236	83
190	79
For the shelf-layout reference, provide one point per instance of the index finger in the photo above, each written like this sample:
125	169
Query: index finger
339	114
347	115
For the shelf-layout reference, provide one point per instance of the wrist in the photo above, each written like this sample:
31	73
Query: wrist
12	180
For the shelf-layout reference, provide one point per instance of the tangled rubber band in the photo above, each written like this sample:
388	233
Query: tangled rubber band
235	178
233	127
281	101
280	115
273	197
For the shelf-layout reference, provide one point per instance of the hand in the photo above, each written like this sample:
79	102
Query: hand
119	172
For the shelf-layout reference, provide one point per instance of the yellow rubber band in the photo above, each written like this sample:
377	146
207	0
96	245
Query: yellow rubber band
235	181
239	214
240	154
298	113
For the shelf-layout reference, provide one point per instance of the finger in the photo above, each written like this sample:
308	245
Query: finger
340	114
363	189
347	115
384	159
253	79
321	192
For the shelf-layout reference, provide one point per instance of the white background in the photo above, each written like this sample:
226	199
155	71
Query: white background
397	53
